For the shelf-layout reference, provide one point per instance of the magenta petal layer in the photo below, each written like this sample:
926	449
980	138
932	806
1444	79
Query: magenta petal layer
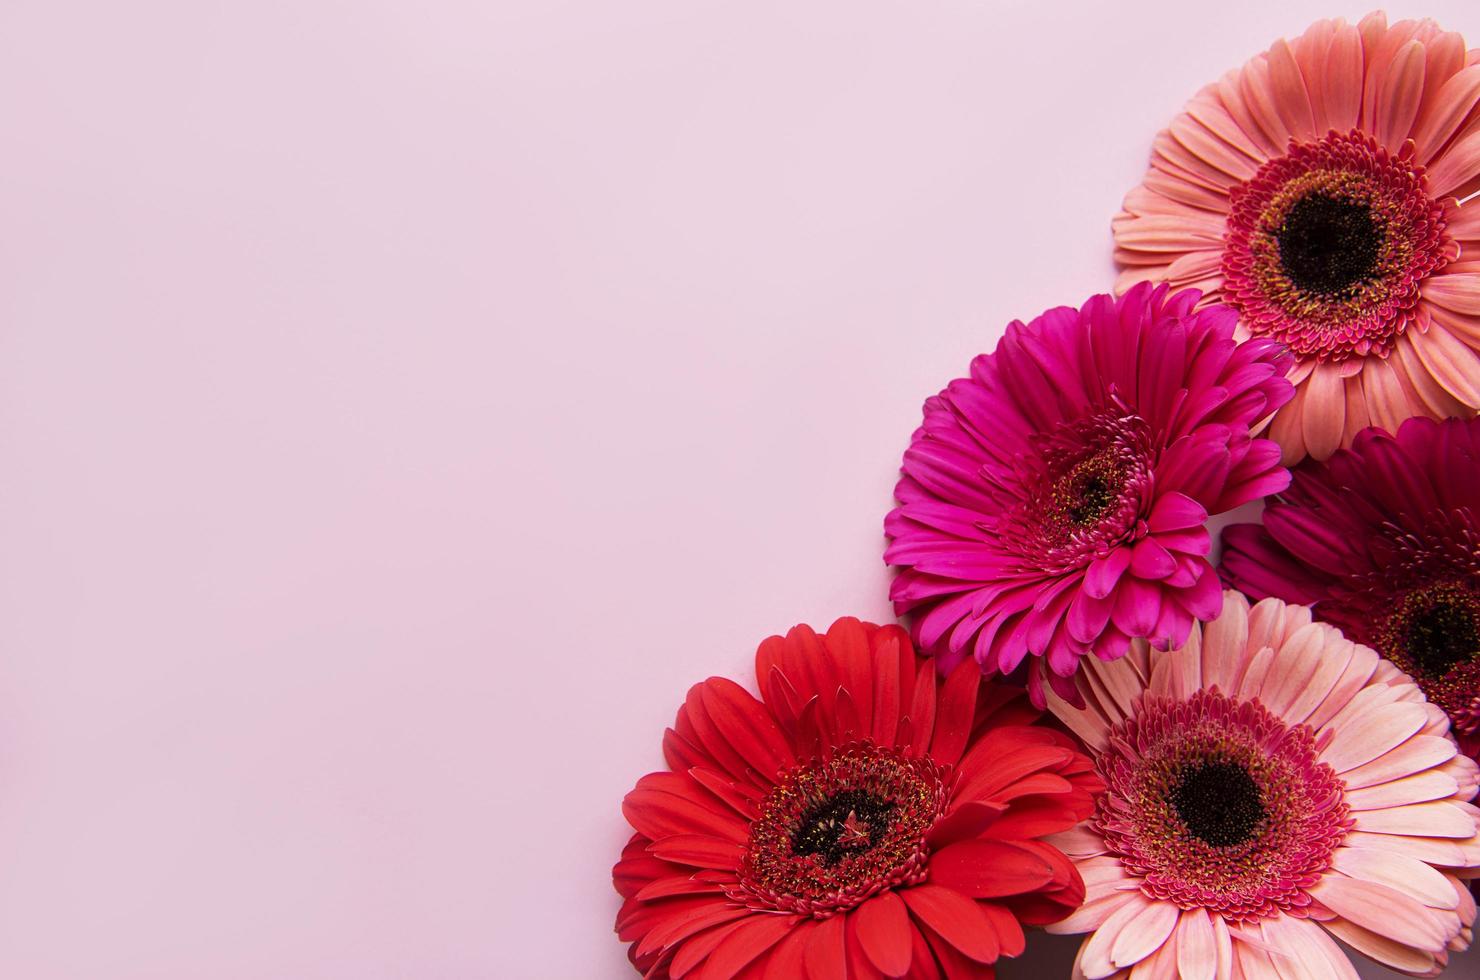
1052	503
1383	541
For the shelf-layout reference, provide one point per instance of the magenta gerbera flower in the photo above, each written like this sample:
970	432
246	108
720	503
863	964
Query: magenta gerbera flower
1383	541
1053	502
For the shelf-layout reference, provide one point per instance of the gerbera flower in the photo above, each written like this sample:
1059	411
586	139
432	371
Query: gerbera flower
866	819
1315	189
1271	784
1384	541
1053	502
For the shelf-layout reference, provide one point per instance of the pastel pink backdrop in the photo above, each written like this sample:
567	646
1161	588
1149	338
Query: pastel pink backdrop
402	404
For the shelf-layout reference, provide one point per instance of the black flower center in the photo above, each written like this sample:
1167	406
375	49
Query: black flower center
1091	489
1441	636
847	823
1329	244
1091	495
1218	802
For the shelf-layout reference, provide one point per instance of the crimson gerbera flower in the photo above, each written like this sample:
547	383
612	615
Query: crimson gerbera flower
865	817
1324	188
1383	541
1053	502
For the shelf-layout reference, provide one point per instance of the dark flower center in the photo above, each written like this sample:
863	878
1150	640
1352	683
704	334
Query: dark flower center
1091	489
852	821
1219	802
835	830
1442	635
1326	247
1328	244
1078	492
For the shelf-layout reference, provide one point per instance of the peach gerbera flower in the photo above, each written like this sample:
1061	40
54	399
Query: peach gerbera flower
1271	785
1318	190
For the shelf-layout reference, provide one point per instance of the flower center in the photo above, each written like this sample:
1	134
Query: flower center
1091	488
1441	634
1329	244
839	829
1218	804
1081	490
1326	246
1432	631
852	821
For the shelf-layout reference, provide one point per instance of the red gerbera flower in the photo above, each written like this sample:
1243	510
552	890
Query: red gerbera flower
867	818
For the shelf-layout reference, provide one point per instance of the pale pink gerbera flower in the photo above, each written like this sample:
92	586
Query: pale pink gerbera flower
1271	785
1316	190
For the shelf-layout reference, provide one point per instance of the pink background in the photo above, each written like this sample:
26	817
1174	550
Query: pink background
401	404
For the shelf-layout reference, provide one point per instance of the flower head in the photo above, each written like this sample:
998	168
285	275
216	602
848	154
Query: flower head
865	817
1052	503
1384	541
1316	189
1270	785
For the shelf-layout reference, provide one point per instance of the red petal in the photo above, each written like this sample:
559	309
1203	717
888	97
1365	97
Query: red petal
660	815
648	921
848	644
922	709
700	945
964	822
860	967
675	885
707	733
847	725
782	700
684	918
1009	930
732	795
884	933
886	694
784	962
956	919
1038	784
989	869
985	772
754	936
953	714
681	754
826	957
953	963
748	726
699	851
1032	816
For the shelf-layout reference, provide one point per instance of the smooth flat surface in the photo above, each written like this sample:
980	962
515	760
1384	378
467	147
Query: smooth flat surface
401	404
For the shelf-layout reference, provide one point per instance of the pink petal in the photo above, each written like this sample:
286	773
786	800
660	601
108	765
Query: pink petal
1380	909
1394	953
1103	573
1402	89
1364	739
1408	875
1435	819
1197	947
